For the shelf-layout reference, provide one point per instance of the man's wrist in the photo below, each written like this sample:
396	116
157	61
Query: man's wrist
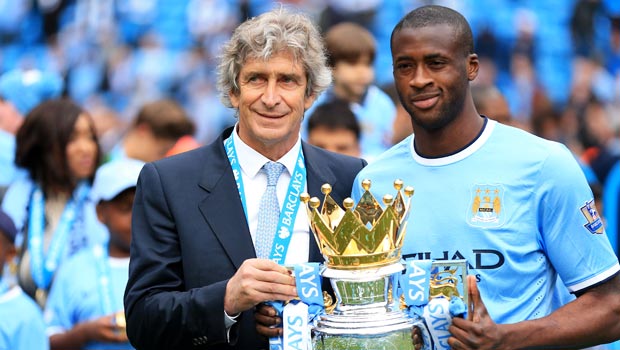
229	320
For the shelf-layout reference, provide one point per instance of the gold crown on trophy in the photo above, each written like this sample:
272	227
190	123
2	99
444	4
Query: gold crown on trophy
366	236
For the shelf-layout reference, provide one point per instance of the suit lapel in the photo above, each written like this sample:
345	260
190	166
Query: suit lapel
317	176
222	208
317	173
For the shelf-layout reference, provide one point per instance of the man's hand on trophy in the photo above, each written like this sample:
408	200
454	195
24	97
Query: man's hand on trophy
478	331
256	281
416	338
268	324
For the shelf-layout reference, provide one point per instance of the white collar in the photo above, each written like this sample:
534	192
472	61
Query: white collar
251	161
460	155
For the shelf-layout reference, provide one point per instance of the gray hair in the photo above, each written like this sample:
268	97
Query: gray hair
266	35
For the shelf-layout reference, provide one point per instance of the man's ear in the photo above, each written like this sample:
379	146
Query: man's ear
309	101
472	66
234	99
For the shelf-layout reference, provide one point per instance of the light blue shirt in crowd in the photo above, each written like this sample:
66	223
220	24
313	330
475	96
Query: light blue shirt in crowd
76	295
21	322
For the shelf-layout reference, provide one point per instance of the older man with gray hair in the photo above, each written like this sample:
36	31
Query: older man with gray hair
205	251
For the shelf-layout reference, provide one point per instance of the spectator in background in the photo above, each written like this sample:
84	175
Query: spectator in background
351	52
490	103
21	324
597	139
402	122
154	131
334	127
20	91
58	148
183	144
85	306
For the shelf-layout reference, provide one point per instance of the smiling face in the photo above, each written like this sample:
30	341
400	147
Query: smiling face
271	103
432	74
81	151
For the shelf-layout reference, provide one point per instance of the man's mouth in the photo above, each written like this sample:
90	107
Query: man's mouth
425	101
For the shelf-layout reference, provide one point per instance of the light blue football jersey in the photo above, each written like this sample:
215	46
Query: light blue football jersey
516	206
76	295
21	322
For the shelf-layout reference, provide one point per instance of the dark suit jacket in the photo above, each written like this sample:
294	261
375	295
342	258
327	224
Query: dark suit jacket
190	235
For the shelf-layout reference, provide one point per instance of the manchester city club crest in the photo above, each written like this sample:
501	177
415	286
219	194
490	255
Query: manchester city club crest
595	224
486	207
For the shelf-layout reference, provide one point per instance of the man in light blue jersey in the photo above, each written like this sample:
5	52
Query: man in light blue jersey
517	207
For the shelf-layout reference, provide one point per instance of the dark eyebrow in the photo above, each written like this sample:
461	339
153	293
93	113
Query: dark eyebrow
403	58
253	73
292	76
433	56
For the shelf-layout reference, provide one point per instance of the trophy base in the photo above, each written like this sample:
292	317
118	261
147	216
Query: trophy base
376	331
366	317
390	338
400	340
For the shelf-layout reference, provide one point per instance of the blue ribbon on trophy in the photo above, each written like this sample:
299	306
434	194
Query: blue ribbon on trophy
298	314
416	281
436	307
414	285
308	280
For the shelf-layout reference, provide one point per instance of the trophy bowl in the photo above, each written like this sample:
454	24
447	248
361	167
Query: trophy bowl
364	313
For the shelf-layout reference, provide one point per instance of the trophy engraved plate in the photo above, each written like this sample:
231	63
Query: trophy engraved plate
362	246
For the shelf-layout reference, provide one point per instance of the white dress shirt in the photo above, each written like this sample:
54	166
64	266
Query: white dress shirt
255	183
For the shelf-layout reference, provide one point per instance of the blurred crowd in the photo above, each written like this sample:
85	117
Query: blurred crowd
144	71
555	63
546	57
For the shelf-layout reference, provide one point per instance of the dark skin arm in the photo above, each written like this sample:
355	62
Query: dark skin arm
101	330
589	320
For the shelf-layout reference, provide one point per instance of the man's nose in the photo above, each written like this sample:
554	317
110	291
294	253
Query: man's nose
271	95
420	78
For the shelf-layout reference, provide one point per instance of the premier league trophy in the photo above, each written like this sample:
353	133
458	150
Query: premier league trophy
377	306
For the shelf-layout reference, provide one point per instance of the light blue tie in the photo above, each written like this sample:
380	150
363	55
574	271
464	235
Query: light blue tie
269	211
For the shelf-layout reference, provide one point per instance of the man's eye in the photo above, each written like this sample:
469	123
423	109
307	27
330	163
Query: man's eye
404	68
436	64
288	80
255	79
